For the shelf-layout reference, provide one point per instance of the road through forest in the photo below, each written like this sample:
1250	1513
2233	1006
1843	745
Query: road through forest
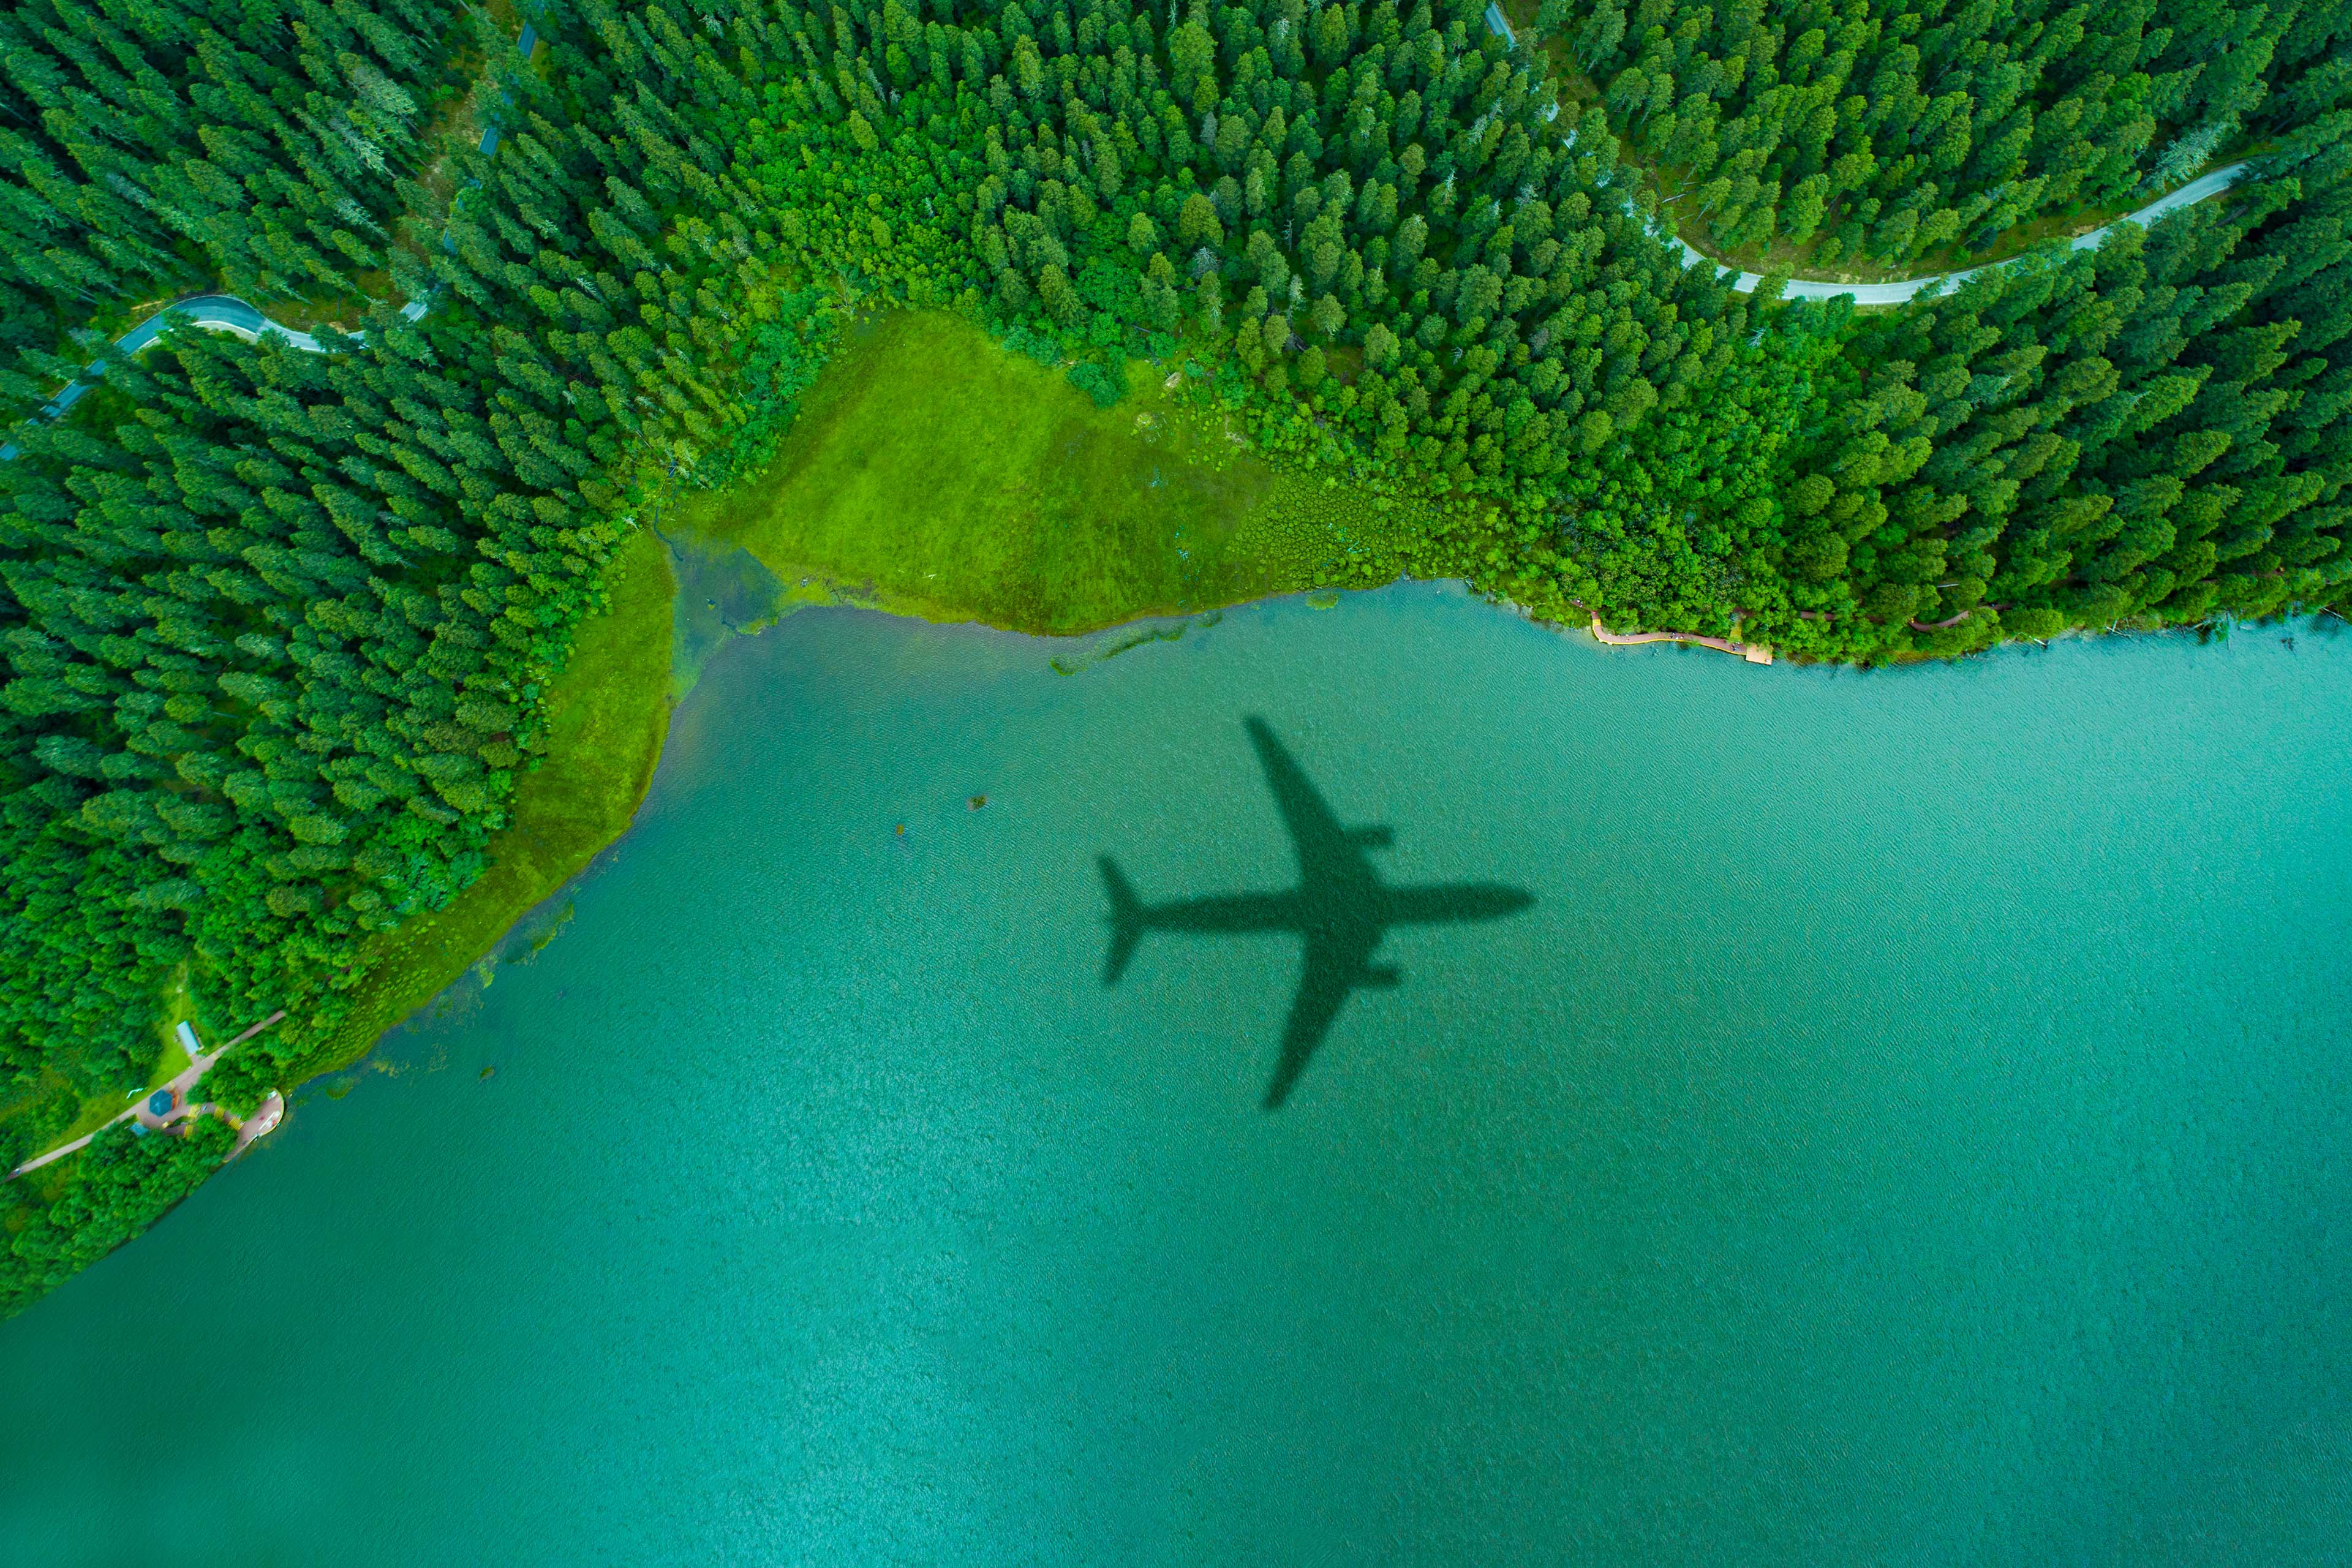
228	314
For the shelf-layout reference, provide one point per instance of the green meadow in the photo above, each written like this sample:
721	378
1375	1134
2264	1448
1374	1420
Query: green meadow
940	475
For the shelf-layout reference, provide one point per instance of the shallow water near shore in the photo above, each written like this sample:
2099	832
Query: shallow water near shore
1908	1125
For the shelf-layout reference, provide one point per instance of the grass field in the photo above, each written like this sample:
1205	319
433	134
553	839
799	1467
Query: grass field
947	478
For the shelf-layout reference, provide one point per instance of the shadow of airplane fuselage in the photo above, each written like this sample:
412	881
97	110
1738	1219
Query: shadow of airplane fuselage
1341	908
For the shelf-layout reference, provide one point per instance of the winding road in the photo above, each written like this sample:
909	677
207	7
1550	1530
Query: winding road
239	317
212	313
226	313
2190	194
1908	289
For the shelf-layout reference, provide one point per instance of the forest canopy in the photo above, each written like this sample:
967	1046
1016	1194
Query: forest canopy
277	626
1884	132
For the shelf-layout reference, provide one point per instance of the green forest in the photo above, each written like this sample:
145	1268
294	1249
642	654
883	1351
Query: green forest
279	629
1883	132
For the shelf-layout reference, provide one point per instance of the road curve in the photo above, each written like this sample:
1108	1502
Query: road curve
210	313
1897	293
226	313
2195	191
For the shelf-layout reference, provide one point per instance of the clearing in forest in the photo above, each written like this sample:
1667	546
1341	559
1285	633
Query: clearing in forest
955	479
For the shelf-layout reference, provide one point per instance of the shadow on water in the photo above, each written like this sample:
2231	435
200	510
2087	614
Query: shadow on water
1340	910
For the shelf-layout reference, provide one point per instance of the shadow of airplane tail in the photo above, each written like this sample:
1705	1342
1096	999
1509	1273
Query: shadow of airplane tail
1126	920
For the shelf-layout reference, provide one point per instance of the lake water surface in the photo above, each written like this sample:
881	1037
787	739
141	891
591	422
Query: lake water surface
1908	1126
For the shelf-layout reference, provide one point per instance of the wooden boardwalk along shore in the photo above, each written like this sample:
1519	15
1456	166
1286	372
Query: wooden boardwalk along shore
1754	653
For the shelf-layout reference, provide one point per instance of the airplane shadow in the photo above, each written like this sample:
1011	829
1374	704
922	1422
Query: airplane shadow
1341	910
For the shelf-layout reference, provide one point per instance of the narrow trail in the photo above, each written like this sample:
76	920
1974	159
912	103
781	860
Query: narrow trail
1754	653
1908	289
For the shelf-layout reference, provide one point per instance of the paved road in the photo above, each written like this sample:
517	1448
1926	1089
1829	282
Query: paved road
1896	293
180	1108
228	314
209	313
2195	191
179	1087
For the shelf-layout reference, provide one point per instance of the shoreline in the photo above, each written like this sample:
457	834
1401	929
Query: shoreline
416	999
1754	653
405	991
875	603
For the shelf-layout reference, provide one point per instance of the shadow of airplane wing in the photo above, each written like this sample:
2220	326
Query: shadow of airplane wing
1324	846
1341	908
1331	970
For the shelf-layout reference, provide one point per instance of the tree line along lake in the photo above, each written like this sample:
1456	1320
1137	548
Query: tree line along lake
1903	1123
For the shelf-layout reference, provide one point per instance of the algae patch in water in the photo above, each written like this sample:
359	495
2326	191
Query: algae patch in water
721	594
1126	640
529	936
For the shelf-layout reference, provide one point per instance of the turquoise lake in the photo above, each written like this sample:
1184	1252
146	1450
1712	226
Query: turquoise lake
1908	1125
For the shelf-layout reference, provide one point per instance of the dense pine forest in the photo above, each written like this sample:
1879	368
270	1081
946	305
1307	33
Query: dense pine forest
1880	132
277	628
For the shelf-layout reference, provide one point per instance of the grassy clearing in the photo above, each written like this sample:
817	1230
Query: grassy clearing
178	1006
608	714
933	473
